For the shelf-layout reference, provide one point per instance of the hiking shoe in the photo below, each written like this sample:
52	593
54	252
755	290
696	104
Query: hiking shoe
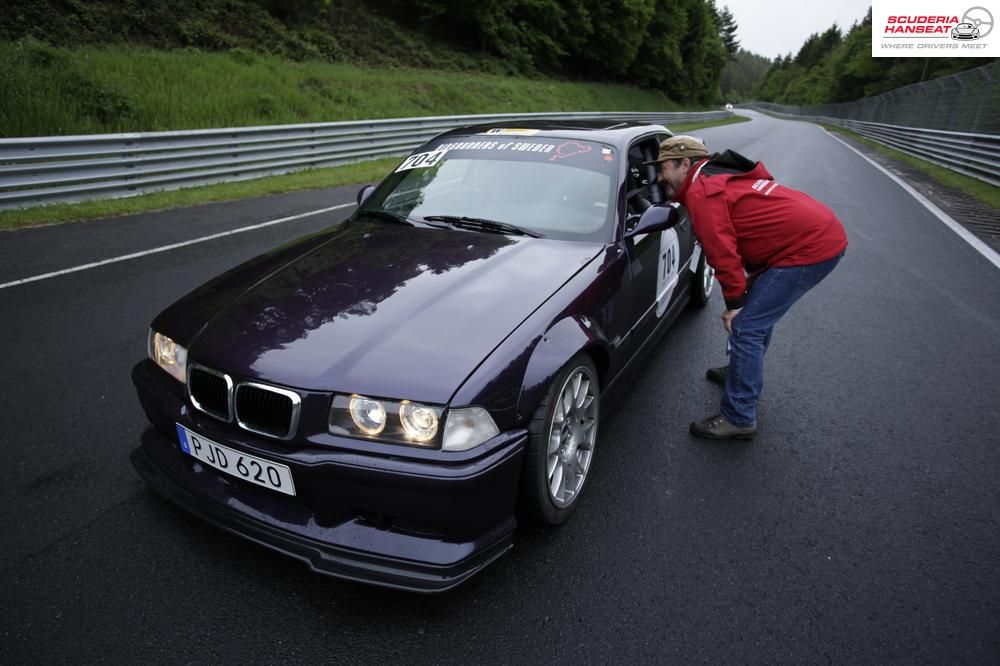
717	427
717	375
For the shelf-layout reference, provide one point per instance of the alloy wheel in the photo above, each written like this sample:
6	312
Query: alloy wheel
707	276
572	435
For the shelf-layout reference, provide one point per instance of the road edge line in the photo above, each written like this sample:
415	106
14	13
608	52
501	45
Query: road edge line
989	253
172	246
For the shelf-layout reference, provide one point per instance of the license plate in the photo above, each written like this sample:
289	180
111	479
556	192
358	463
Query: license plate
695	256
271	475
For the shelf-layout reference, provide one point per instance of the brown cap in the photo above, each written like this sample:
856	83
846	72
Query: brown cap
679	146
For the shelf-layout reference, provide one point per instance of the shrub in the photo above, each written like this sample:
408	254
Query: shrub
198	31
39	53
325	44
266	106
108	103
244	56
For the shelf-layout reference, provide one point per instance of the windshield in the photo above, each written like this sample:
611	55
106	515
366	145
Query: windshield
556	188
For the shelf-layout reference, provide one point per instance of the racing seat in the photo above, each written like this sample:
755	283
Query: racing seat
637	190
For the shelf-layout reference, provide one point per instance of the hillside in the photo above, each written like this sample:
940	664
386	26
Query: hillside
57	91
73	67
675	46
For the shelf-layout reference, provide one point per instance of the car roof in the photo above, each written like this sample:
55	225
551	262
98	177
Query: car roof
606	131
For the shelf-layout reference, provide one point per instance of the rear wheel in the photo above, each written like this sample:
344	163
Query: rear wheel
562	435
703	283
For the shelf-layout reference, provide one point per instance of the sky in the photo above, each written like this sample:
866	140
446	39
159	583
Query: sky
777	27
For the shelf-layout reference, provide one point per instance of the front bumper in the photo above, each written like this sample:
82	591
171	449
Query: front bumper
406	524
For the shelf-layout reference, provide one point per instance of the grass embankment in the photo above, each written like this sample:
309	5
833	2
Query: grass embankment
984	192
363	172
48	91
55	91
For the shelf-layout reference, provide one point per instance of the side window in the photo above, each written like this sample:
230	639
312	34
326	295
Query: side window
642	190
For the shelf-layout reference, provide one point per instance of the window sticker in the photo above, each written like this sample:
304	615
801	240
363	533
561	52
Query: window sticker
513	130
569	149
421	160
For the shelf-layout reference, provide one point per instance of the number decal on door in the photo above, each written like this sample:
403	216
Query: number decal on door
666	272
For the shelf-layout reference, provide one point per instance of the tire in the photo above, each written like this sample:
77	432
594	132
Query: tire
702	284
573	441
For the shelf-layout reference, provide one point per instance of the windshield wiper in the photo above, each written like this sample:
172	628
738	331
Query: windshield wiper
482	224
389	216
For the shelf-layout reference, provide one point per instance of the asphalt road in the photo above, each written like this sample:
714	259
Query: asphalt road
862	525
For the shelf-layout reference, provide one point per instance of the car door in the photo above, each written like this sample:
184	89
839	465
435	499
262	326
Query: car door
657	261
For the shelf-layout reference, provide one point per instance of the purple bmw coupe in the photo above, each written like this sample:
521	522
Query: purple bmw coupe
386	398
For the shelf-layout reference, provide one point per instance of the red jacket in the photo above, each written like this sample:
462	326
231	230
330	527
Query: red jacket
746	220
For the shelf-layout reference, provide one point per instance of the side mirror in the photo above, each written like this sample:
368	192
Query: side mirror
364	193
656	218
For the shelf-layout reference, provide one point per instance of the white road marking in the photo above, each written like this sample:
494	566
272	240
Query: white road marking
978	245
174	246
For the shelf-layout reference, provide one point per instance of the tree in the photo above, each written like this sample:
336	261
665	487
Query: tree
818	47
294	10
660	55
703	56
742	75
727	32
618	30
831	67
852	66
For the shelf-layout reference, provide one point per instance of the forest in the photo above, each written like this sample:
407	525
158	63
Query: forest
686	50
678	47
834	66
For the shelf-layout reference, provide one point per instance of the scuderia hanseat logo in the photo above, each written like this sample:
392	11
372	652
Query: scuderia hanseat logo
929	28
976	22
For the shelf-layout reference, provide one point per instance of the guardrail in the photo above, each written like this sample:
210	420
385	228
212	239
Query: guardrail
969	153
43	170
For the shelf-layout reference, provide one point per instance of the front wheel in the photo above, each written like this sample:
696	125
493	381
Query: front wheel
702	284
561	439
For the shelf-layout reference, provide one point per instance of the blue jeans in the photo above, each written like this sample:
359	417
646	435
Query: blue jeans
775	290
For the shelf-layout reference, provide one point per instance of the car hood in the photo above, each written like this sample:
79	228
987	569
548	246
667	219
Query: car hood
387	310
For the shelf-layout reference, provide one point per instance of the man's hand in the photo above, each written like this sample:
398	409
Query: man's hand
727	319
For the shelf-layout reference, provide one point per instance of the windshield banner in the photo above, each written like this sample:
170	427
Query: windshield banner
580	154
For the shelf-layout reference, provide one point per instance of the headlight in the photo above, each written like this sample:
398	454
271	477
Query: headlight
368	415
466	428
408	422
168	355
395	421
420	423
